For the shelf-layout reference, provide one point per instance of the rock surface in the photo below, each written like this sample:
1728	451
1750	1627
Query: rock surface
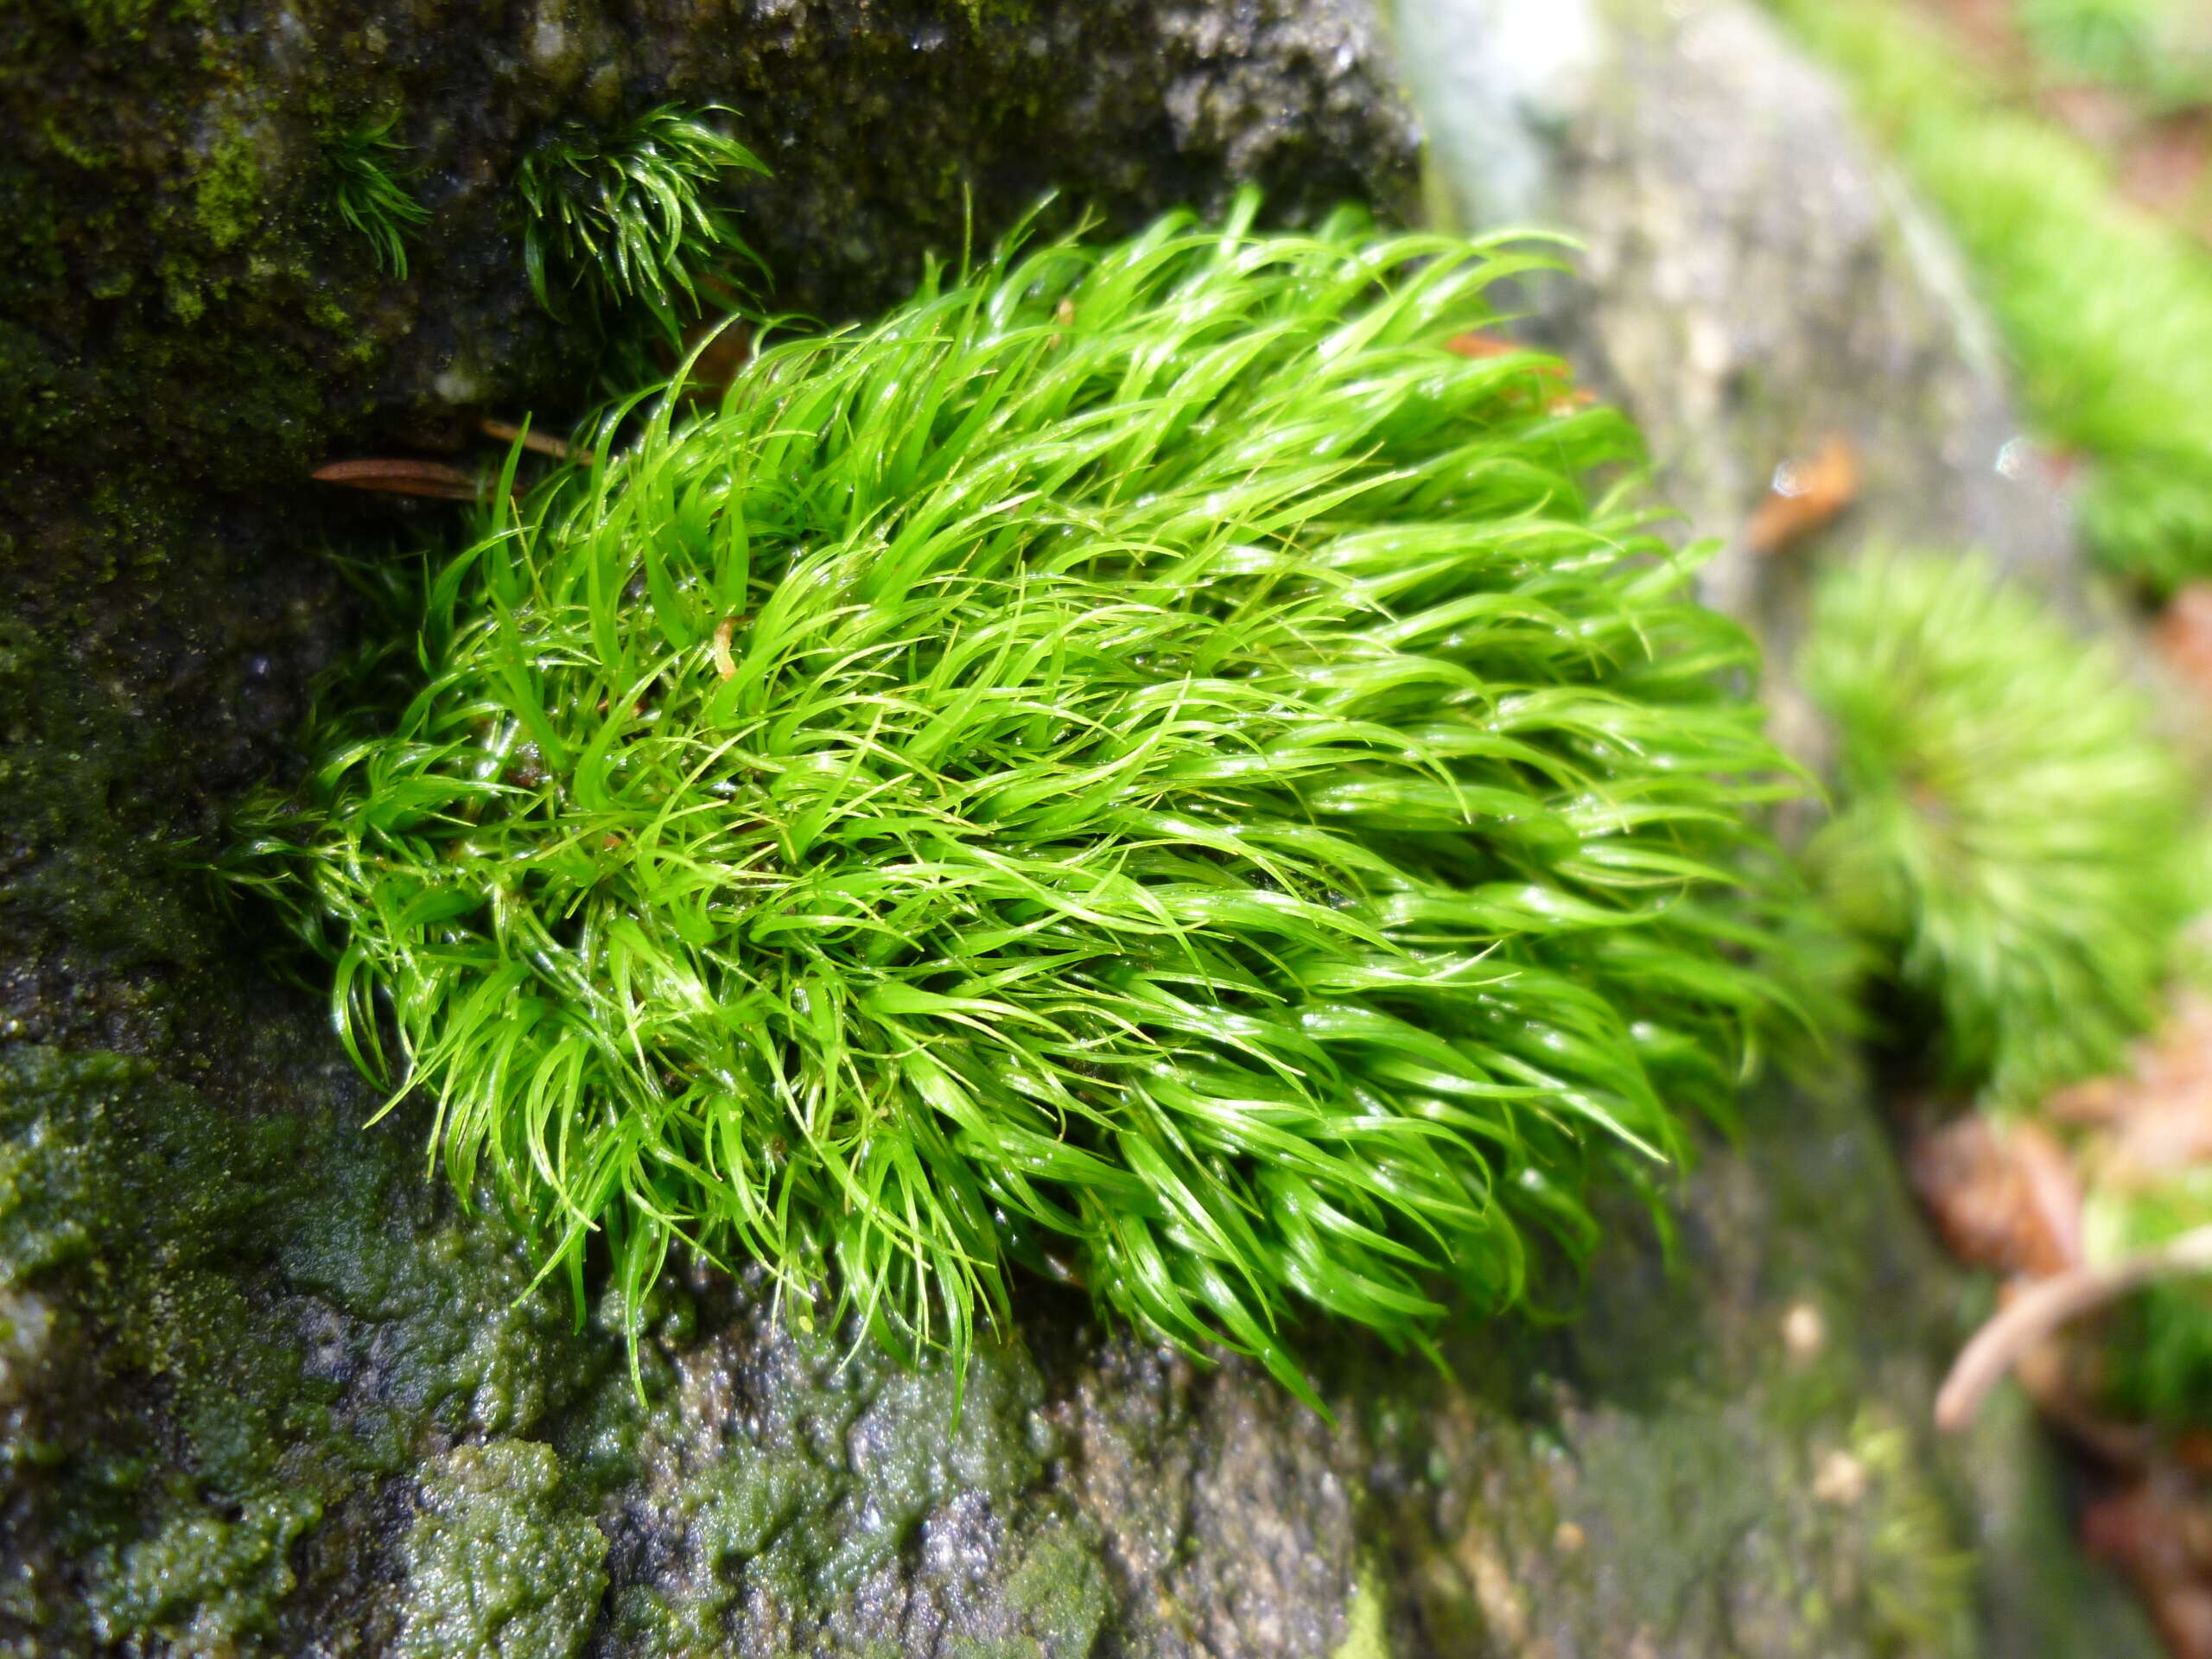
1754	280
264	1389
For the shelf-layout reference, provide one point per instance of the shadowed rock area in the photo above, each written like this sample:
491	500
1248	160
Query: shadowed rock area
265	1389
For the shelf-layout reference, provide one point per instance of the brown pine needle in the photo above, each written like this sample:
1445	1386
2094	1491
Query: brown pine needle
429	478
1476	346
539	442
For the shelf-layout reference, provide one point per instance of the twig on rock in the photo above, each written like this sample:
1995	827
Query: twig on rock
2040	1309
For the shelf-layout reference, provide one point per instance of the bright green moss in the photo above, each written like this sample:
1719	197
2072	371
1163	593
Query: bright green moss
1142	765
1367	1634
632	217
2106	312
2007	832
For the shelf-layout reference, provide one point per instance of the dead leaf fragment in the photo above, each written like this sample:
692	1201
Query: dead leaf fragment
2064	1380
2007	1199
1566	398
724	349
2153	1531
2156	1121
1807	493
2184	634
1840	1480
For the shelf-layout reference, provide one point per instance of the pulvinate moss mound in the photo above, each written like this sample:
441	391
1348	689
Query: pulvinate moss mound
1146	764
2009	833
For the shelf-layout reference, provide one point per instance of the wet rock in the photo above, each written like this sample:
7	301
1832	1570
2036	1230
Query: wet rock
492	1568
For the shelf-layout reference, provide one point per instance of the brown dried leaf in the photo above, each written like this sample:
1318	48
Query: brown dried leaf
2006	1199
1565	399
1480	346
727	349
2064	1379
2151	1530
2164	165
2154	1122
2184	634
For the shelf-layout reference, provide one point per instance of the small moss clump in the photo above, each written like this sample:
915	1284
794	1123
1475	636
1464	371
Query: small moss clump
1143	764
368	194
630	217
2007	828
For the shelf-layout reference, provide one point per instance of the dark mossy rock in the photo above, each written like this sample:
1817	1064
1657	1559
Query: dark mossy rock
180	288
264	1388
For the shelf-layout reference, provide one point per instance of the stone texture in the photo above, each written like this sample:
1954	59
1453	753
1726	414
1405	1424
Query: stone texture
1752	279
